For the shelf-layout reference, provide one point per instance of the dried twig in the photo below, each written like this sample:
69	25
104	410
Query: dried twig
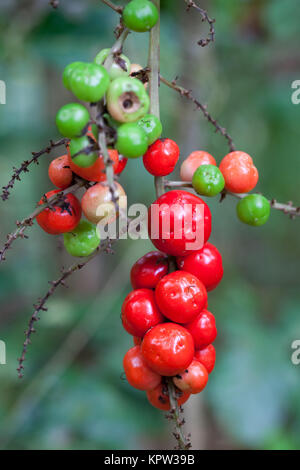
205	18
24	167
116	8
176	414
188	94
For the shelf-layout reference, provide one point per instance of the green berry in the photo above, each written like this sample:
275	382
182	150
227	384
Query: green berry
71	119
152	126
208	180
82	152
254	210
132	141
127	99
69	69
89	82
120	66
83	240
140	15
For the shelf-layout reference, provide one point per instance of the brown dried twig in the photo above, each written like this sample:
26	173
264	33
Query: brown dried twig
24	167
176	415
204	18
188	94
116	8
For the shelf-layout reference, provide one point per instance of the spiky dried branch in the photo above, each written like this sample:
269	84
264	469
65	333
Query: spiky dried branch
204	18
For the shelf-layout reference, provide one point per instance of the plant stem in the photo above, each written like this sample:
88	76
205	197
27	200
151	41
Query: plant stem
154	81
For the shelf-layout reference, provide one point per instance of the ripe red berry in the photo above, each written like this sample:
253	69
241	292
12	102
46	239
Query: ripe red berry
159	397
180	296
239	172
168	349
205	264
121	165
179	223
140	312
60	173
193	380
61	218
137	372
148	270
203	329
207	357
161	157
95	172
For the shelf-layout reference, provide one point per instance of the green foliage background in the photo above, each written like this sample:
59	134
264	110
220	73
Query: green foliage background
73	395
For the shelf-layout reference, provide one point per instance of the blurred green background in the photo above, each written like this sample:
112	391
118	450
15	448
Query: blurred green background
73	395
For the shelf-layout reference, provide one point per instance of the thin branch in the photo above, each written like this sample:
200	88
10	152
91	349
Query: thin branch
204	18
154	82
24	167
116	8
188	94
175	414
28	221
289	208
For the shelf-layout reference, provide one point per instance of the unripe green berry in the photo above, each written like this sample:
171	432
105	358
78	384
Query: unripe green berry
83	240
71	119
208	180
82	152
152	126
132	141
253	210
140	15
120	66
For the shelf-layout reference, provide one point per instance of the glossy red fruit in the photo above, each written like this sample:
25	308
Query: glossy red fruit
149	270
180	296
203	329
207	357
193	380
159	397
137	372
96	172
60	173
179	223
205	264
168	349
61	218
140	312
240	174
161	157
121	165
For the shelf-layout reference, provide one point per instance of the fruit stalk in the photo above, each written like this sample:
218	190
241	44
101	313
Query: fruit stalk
154	82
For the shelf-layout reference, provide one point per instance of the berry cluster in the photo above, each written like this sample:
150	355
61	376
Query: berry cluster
236	173
166	313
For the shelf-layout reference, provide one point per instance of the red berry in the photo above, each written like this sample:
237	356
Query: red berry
205	264
159	397
148	270
60	173
161	157
137	372
168	349
207	357
61	218
193	380
180	296
179	223
140	312
96	172
239	172
203	329
121	165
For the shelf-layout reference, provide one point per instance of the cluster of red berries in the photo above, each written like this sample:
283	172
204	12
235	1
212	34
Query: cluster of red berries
166	313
